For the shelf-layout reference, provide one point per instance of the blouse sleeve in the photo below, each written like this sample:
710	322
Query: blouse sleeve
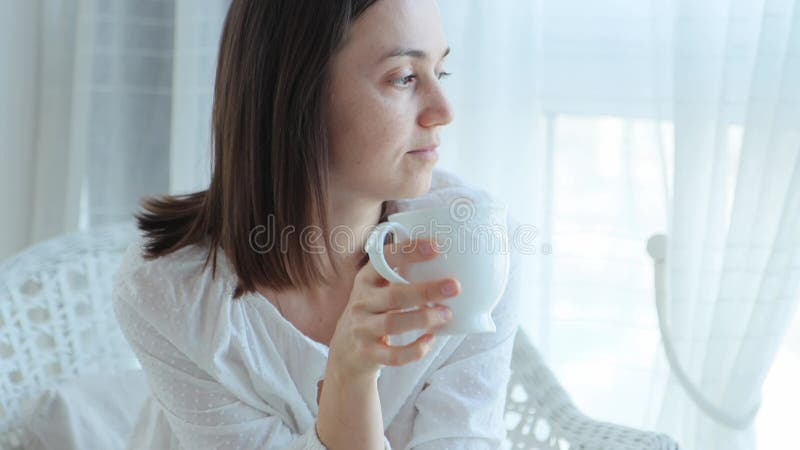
200	411
461	406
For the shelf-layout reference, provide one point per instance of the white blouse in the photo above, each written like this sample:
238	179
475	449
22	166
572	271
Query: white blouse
235	374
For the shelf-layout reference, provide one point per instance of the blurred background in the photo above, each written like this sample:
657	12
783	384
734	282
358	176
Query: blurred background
599	122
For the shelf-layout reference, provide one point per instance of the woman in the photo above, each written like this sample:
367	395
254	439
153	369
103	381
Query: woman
326	117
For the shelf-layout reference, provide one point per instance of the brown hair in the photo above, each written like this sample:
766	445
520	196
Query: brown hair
269	144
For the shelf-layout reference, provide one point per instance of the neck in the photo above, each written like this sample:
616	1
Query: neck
351	219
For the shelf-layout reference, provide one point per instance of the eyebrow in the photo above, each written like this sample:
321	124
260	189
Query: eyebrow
414	53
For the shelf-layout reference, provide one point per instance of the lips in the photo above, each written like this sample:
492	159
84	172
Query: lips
424	154
426	149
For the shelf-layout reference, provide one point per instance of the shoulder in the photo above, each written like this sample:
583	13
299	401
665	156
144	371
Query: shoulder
171	289
176	299
180	271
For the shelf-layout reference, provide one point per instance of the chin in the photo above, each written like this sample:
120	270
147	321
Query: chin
415	186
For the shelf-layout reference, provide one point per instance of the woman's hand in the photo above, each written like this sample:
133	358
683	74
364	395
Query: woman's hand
360	344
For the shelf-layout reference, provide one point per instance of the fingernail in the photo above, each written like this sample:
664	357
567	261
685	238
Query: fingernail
426	248
448	288
445	313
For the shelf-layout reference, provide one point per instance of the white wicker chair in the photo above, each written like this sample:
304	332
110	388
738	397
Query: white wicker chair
56	322
56	318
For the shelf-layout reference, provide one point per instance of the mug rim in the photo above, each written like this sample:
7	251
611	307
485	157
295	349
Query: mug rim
488	205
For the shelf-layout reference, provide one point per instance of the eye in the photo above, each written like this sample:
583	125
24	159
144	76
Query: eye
406	80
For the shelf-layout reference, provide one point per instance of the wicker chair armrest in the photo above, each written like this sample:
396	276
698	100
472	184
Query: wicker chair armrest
546	417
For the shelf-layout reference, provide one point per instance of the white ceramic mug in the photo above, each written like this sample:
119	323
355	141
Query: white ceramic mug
473	248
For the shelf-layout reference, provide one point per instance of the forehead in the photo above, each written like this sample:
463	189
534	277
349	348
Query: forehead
389	25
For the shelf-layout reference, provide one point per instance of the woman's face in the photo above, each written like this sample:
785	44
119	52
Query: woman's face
381	107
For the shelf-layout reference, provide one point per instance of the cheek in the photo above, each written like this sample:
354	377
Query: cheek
369	130
387	128
377	115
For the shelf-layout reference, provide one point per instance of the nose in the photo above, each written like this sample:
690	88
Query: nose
436	110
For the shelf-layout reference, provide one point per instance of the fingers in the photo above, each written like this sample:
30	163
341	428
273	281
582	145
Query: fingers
409	252
398	255
380	306
396	322
404	296
401	355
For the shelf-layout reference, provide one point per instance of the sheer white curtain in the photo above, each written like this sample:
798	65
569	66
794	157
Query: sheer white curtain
40	178
732	259
104	101
605	122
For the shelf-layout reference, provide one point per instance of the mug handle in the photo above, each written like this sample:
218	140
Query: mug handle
374	248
